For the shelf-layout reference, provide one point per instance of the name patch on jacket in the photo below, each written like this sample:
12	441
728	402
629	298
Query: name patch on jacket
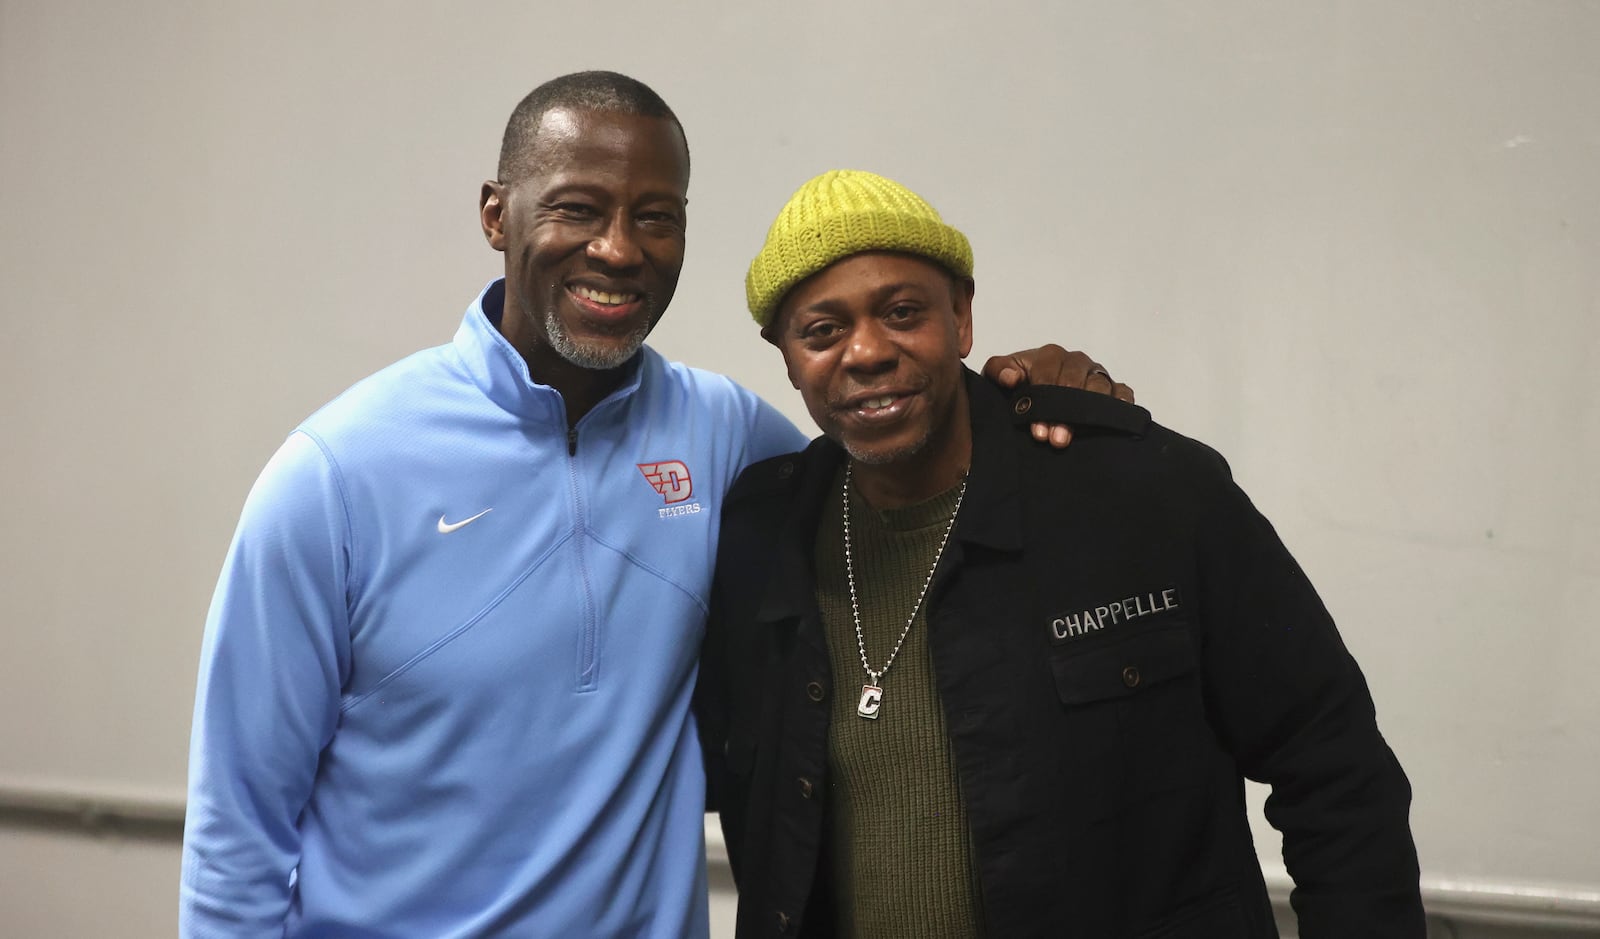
1086	622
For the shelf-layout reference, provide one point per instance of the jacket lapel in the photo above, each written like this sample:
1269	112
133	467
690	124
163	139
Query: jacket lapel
991	514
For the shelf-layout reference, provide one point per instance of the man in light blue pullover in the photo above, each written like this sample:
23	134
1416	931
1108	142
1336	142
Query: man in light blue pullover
444	685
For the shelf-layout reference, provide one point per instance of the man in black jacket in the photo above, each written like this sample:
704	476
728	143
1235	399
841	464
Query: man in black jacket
957	684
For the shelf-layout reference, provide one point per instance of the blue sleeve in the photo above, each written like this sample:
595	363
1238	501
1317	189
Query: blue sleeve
273	660
769	433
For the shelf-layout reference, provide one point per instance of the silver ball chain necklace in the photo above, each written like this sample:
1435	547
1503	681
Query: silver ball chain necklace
872	691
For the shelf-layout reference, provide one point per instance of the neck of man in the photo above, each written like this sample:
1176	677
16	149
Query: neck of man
580	388
937	466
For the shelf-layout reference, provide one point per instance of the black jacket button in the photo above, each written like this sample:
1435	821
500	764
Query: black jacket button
814	691
1023	405
1130	676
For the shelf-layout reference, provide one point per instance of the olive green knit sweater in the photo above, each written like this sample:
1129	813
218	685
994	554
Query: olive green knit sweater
899	848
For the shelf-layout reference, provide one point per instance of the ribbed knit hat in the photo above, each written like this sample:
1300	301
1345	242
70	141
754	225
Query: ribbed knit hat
840	213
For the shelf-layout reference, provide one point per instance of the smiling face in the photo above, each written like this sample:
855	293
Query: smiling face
593	236
874	343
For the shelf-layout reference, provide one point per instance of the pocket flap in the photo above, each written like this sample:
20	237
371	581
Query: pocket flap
1125	667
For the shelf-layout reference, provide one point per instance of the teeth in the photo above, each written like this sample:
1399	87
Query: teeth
600	296
873	404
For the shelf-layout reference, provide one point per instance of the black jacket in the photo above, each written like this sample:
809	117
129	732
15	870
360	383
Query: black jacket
1119	639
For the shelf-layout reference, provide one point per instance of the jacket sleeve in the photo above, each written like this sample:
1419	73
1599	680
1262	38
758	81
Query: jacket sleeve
272	662
1291	705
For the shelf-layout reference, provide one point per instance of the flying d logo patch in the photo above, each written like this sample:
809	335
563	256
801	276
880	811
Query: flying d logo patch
670	478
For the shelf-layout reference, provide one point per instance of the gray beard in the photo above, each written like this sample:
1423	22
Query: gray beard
597	358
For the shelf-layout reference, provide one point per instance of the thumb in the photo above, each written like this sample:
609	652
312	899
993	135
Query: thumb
1003	370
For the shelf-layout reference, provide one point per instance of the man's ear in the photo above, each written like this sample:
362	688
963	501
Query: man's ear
962	297
491	208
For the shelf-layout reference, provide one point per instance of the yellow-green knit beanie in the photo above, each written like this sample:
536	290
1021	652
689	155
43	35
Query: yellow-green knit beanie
840	213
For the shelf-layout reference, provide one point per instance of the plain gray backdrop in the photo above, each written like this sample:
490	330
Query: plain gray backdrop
1351	244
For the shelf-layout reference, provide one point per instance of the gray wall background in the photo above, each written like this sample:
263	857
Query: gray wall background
1352	244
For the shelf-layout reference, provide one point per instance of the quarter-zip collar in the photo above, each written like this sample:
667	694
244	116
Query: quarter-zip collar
500	371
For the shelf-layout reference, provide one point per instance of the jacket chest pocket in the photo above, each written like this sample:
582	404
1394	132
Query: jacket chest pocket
1144	690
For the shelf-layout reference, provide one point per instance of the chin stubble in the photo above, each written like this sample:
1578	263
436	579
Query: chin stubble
595	356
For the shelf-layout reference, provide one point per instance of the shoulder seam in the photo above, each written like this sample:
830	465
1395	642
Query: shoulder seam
356	569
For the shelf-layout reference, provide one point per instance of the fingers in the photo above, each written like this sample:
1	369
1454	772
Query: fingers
1051	364
1057	435
1047	365
1099	379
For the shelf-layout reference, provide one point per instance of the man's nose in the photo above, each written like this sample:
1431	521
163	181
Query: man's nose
617	245
870	348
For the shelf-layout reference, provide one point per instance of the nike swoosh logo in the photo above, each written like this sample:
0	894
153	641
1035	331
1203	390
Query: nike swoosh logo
446	528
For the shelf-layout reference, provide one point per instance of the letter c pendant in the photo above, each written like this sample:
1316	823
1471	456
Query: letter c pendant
871	700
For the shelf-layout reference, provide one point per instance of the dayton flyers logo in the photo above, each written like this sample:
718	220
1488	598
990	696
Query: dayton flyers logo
670	478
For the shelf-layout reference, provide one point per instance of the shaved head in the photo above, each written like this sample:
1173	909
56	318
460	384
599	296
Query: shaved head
579	91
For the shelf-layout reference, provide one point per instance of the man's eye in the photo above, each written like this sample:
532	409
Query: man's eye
902	311
821	331
574	209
